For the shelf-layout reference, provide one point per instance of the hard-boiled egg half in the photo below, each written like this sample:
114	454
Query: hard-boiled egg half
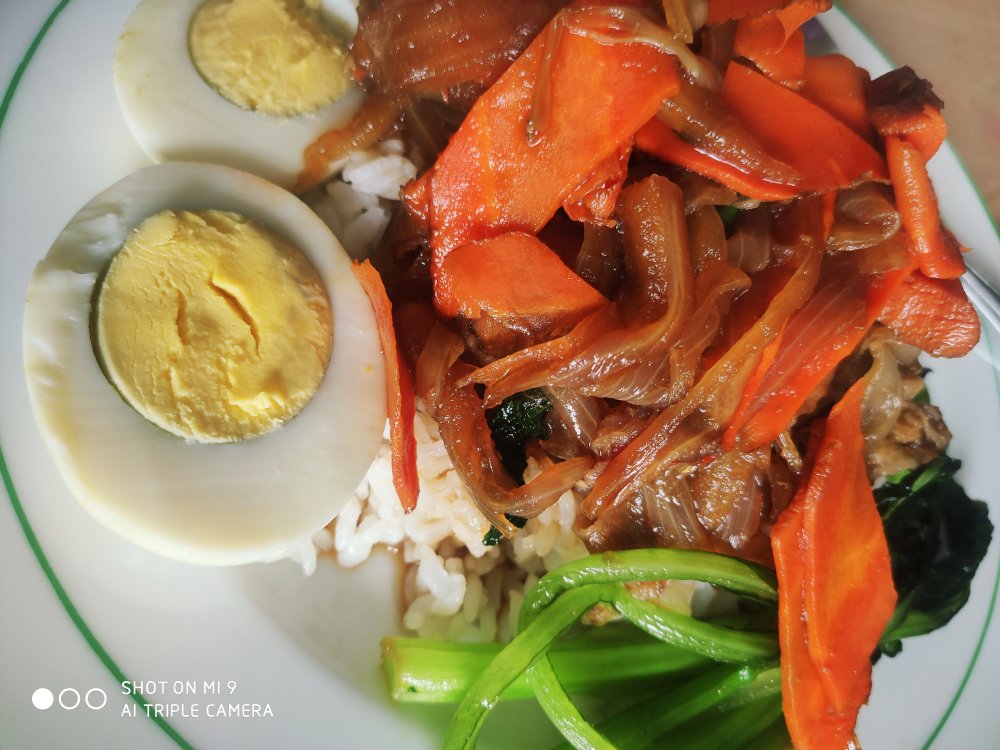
203	364
244	83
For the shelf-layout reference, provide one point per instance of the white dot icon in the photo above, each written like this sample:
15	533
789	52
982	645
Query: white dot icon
42	699
65	703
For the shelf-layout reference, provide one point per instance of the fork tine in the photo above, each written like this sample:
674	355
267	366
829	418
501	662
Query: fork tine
983	296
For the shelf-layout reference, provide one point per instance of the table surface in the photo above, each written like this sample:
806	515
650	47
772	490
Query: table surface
955	45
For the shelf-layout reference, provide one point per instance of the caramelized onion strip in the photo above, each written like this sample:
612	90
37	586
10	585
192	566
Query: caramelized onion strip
714	396
469	442
368	126
627	361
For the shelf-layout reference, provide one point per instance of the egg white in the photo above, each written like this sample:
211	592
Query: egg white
217	504
176	116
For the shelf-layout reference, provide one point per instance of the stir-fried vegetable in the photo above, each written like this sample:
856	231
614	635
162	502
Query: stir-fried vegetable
933	314
516	421
937	537
822	149
702	245
835	586
557	602
492	178
399	391
533	289
715	684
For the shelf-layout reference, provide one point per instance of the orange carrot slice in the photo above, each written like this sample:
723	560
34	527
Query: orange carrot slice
815	340
835	589
935	252
792	129
793	15
587	97
849	593
368	126
933	314
763	41
516	279
727	10
399	391
812	723
925	131
656	138
740	417
837	85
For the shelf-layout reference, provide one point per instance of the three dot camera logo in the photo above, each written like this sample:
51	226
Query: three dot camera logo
69	698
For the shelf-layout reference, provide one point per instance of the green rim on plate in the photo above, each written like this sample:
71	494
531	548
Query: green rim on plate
15	501
996	379
106	658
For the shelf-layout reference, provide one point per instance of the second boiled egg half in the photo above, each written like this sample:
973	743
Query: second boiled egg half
243	83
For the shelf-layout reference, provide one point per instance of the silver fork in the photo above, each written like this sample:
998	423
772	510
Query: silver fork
983	295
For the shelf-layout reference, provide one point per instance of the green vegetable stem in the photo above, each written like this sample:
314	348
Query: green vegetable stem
694	683
717	662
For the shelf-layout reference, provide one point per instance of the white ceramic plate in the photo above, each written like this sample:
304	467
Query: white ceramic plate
81	610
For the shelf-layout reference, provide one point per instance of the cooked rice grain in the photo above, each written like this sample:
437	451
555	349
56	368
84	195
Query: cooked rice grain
454	587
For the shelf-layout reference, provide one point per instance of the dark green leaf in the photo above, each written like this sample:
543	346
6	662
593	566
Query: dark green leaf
727	214
937	537
518	419
492	537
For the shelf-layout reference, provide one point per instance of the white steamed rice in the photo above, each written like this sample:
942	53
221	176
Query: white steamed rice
358	203
454	586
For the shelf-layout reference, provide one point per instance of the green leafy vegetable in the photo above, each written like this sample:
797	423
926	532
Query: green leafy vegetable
937	537
727	214
519	419
492	537
596	661
727	673
697	683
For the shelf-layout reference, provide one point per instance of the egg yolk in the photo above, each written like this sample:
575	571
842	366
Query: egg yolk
272	56
212	326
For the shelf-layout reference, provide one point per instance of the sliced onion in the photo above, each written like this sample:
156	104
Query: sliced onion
717	42
706	238
729	495
700	192
884	395
467	437
572	422
864	216
621	354
701	118
749	245
678	22
710	402
715	288
447	49
441	350
893	254
535	366
600	262
618	428
626	515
